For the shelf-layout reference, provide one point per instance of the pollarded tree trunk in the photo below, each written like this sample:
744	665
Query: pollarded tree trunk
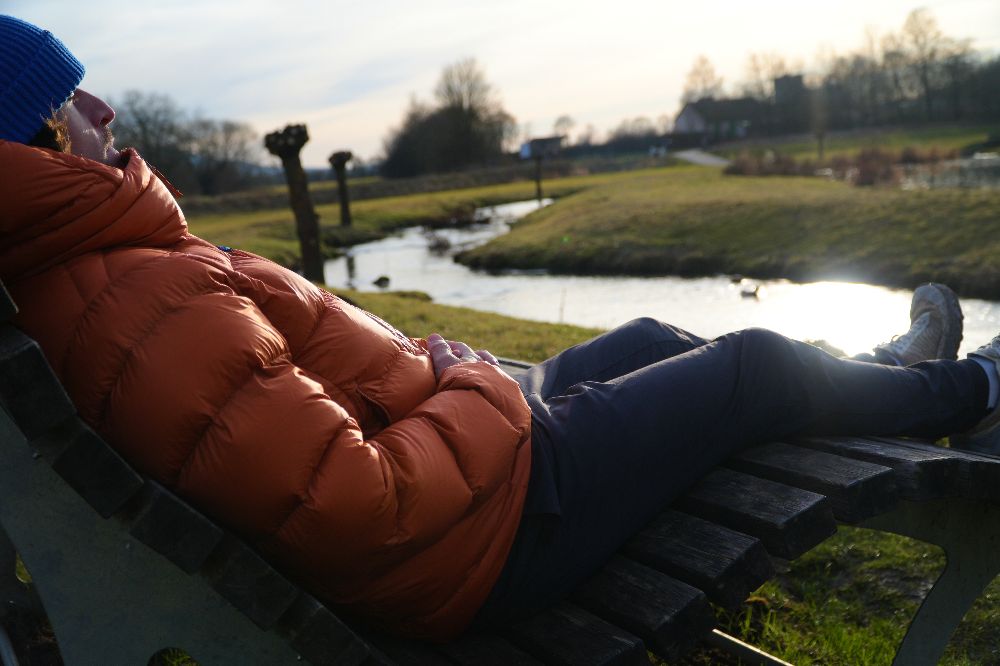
287	144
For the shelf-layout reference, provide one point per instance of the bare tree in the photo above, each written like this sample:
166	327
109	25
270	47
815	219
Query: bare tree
468	126
895	68
587	136
761	70
664	123
701	82
958	64
563	125
463	85
200	155
221	150
638	126
926	45
154	125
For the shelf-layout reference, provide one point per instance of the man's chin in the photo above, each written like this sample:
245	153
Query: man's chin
114	157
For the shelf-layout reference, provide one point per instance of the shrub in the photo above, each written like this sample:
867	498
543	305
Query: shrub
874	167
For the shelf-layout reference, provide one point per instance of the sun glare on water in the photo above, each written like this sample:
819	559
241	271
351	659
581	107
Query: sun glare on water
850	316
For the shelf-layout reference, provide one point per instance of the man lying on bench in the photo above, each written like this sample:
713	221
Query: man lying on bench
407	481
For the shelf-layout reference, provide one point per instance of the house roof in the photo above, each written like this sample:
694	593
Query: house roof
718	110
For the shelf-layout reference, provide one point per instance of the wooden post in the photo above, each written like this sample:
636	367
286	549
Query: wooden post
339	162
287	144
538	177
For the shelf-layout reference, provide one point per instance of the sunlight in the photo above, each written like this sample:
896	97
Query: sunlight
850	316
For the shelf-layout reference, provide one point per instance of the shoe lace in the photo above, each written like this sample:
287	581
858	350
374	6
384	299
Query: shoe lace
920	338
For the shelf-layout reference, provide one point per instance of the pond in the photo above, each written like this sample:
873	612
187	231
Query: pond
980	171
850	316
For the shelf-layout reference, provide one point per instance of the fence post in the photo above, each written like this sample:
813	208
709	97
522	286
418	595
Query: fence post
538	177
287	144
339	162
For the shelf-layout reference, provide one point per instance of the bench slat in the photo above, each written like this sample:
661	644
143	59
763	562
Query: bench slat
920	474
7	307
669	615
857	490
979	473
174	529
789	521
727	565
93	469
249	583
486	650
320	637
30	391
402	652
566	635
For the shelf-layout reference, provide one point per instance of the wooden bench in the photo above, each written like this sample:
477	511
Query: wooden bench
124	568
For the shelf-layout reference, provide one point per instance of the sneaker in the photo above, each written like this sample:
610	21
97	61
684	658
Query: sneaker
985	436
935	328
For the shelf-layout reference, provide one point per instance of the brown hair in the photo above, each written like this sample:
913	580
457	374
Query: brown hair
54	134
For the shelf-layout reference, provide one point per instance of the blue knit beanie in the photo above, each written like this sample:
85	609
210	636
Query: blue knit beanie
37	75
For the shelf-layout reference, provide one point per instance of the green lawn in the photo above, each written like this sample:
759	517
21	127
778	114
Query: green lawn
271	232
696	221
848	601
944	137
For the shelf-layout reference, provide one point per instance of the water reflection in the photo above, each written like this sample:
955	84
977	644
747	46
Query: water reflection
979	171
850	316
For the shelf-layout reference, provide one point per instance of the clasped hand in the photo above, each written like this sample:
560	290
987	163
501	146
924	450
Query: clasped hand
446	353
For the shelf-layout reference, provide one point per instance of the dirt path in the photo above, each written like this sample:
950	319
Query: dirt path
701	157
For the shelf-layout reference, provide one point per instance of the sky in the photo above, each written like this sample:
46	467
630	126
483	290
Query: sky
349	69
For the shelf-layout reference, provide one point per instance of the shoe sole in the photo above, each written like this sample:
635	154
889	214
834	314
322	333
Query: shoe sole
946	299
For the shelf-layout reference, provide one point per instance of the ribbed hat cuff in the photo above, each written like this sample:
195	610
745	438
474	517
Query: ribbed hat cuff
48	78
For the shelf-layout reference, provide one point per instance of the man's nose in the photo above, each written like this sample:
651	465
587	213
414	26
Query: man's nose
107	114
97	110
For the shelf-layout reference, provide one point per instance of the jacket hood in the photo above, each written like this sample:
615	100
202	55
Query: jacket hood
56	206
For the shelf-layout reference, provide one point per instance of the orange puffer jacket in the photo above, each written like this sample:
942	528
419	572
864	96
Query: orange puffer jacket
311	427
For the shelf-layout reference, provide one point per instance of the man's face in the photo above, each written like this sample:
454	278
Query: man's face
87	118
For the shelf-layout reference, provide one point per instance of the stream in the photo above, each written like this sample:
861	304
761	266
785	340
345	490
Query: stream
850	316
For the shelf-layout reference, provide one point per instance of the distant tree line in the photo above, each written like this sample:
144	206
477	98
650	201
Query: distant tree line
467	126
917	74
199	155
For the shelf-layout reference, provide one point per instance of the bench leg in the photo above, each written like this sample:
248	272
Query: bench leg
969	533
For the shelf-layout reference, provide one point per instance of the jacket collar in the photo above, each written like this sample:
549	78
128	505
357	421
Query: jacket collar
56	206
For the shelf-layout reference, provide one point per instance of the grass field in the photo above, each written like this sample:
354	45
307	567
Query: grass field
846	602
271	232
943	137
696	221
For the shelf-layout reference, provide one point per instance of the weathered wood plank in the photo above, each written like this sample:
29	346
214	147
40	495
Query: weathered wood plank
174	529
320	636
726	564
95	471
249	583
394	650
377	658
669	615
30	391
979	474
857	490
789	521
7	306
566	635
920	474
479	649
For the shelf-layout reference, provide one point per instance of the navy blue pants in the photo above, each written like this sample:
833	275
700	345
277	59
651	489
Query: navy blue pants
624	423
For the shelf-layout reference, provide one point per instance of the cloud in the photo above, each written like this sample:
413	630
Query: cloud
351	66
